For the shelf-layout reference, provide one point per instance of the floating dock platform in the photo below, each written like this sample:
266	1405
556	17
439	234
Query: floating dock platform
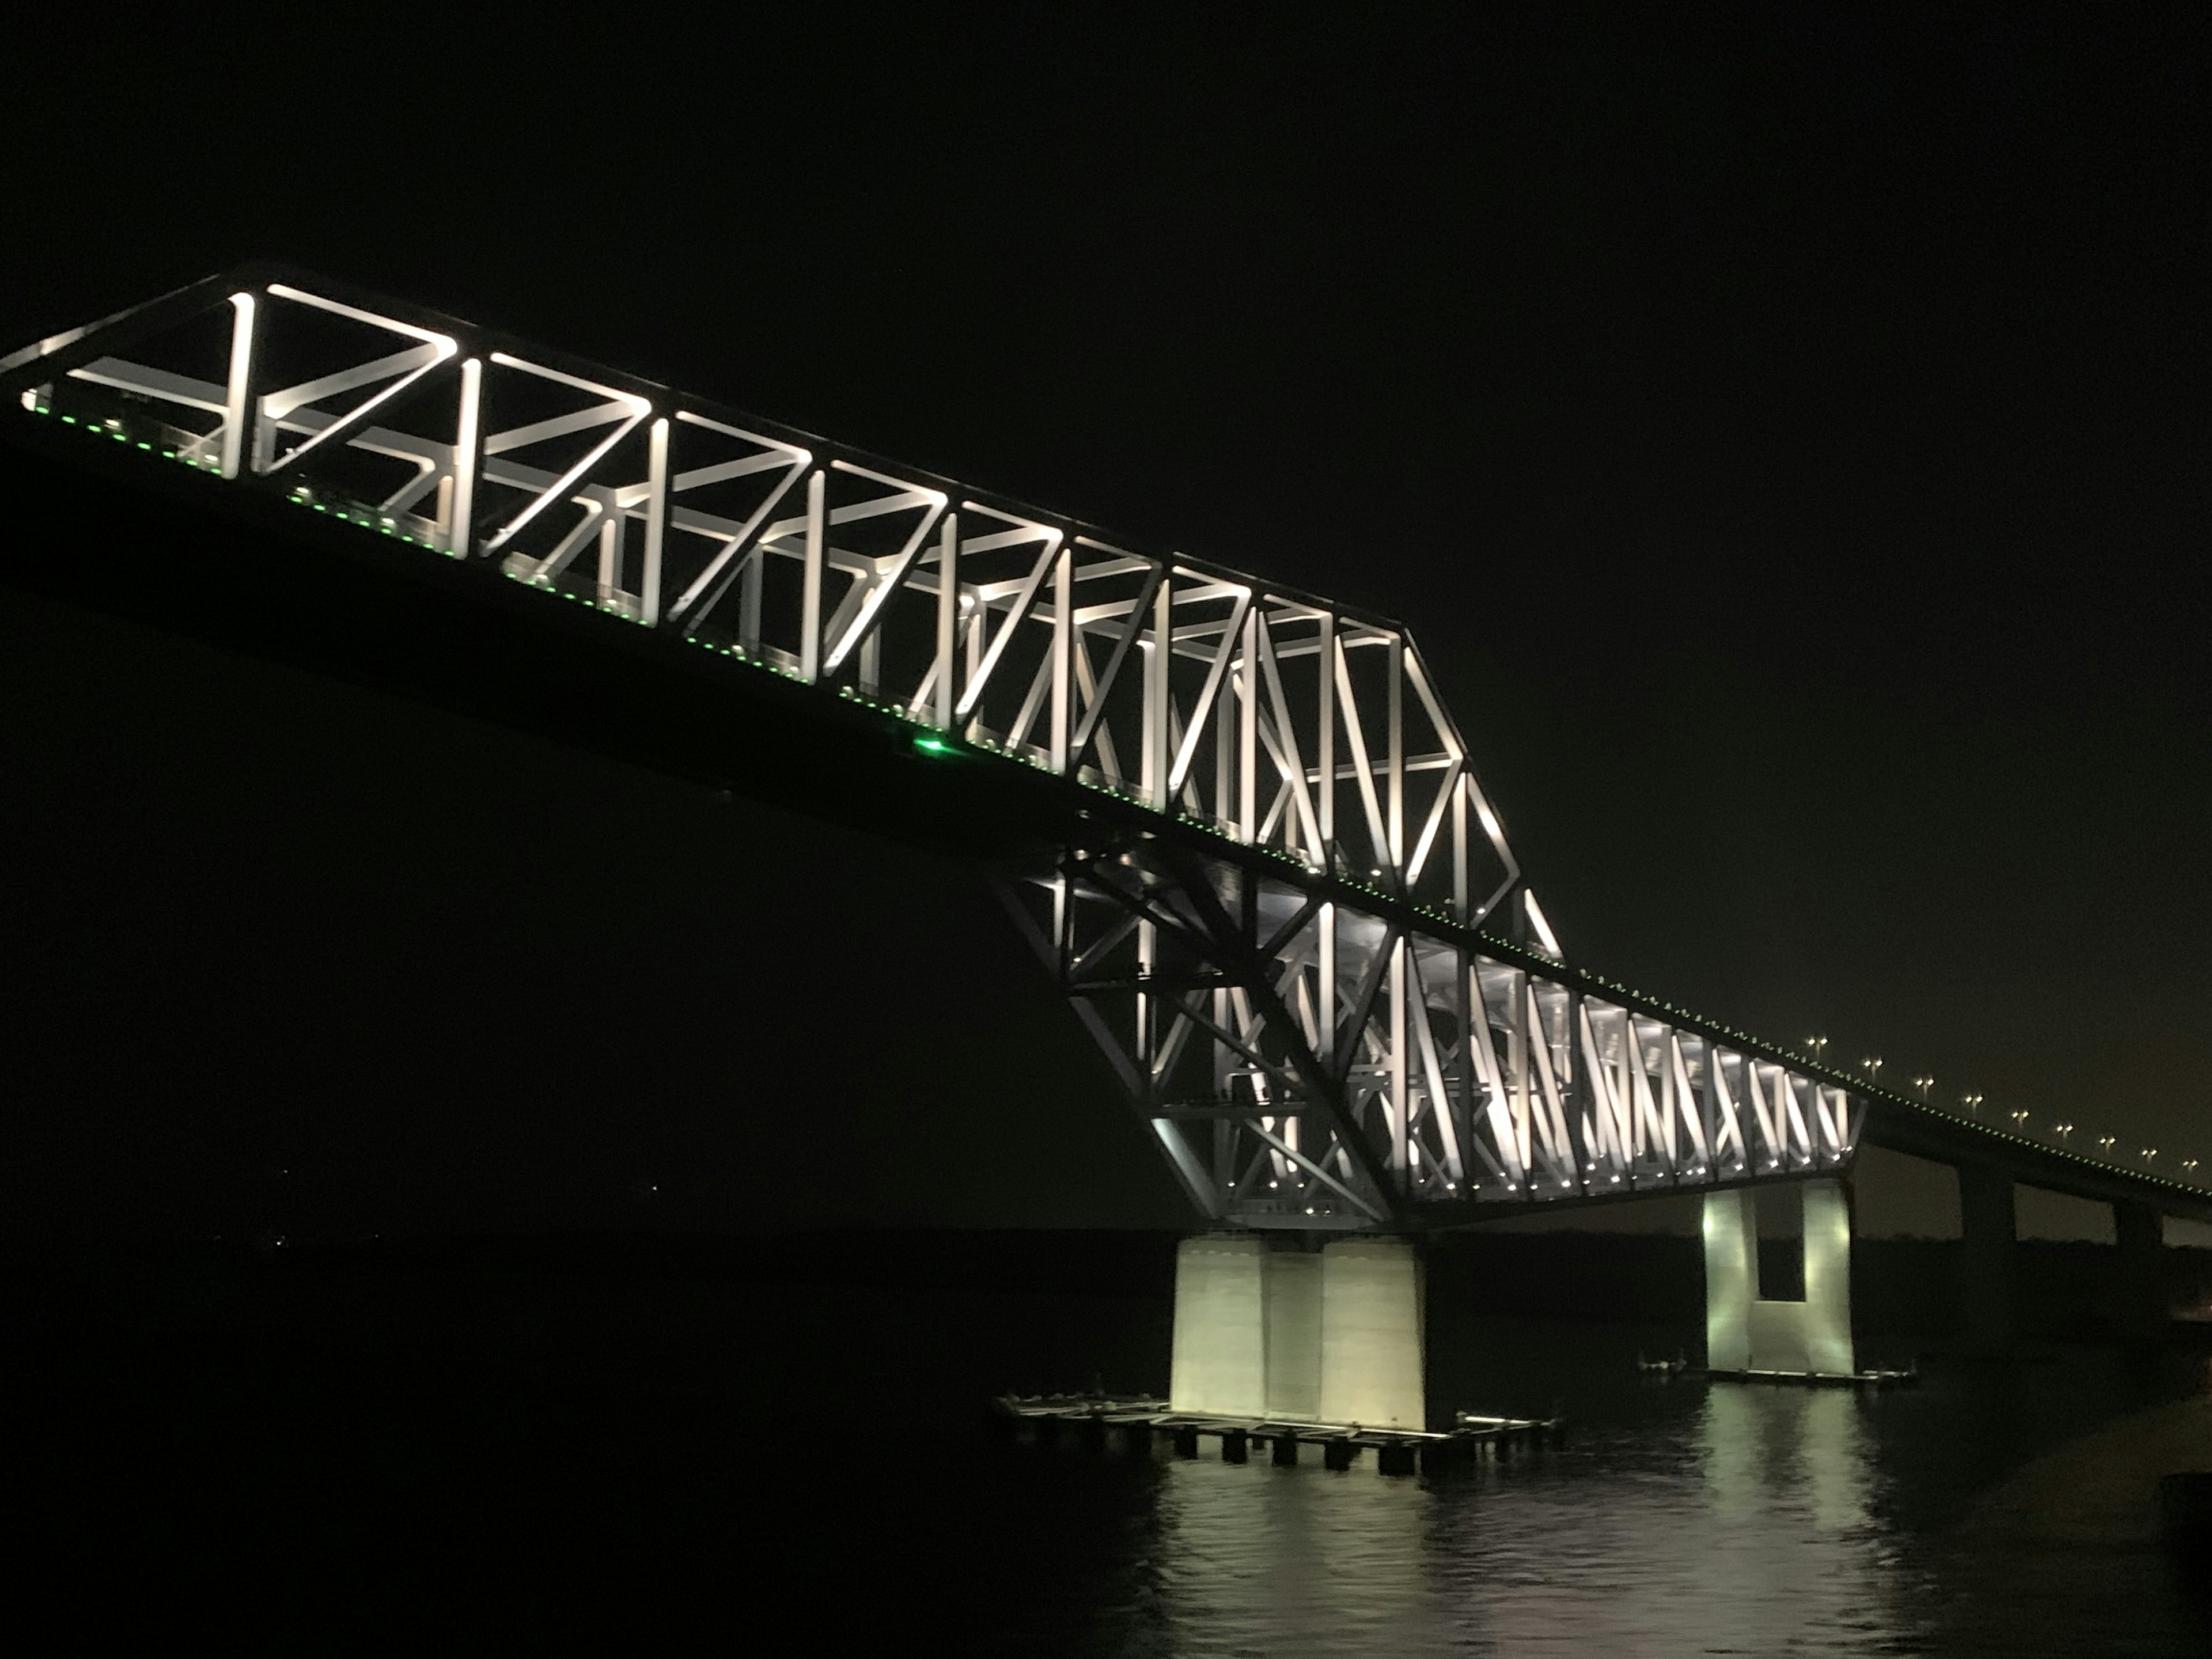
1138	1421
1669	1370
1815	1379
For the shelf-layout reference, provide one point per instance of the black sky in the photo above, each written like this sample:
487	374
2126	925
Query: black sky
1784	427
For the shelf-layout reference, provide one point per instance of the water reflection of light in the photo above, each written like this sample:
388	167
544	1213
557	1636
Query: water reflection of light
1748	1530
1769	1449
1747	1526
1263	1559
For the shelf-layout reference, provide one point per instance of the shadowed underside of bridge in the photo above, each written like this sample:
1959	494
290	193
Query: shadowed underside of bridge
1235	821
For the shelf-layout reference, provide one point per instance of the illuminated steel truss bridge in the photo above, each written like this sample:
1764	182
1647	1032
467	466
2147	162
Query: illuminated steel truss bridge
1280	900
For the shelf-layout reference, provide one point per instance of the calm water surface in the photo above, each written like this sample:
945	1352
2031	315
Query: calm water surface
1746	1523
506	1464
1990	1511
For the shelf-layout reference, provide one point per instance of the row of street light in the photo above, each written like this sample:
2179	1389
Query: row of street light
1872	1064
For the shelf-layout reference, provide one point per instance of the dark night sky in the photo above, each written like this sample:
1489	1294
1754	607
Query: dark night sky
1785	430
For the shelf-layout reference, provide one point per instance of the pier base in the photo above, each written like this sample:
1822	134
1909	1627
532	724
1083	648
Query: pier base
1282	1333
1372	1299
1745	1331
1294	1334
1219	1359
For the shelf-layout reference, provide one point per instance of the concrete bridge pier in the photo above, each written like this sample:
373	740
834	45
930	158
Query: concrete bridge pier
1266	1328
2139	1297
1990	1227
1989	1218
1747	1331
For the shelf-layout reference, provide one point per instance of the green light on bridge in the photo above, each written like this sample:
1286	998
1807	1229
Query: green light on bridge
930	745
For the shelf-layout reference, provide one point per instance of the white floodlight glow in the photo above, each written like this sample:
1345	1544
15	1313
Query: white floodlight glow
435	349
640	408
1543	928
236	389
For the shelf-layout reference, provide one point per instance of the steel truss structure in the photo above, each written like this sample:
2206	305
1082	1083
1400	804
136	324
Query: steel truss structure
1304	1063
1302	1016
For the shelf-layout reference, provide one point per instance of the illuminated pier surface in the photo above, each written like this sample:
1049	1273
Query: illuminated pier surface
1265	1331
1235	820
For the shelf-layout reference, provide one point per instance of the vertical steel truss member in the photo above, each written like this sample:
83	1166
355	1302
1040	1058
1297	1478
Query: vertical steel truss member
1300	1016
